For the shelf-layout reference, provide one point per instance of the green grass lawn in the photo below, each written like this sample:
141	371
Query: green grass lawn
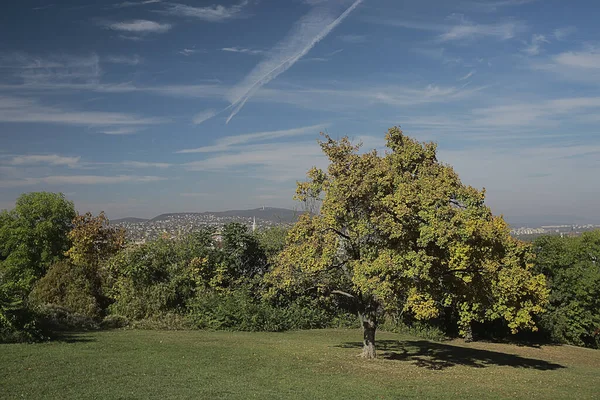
317	364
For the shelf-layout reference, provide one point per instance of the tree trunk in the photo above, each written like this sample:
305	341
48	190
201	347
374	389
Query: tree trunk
369	327
469	333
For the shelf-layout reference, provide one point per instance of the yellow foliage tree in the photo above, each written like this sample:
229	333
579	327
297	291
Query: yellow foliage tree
401	232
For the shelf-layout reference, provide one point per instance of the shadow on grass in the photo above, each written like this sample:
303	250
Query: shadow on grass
72	337
438	356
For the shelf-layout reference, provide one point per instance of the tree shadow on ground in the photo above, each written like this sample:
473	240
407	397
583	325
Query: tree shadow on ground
438	356
72	337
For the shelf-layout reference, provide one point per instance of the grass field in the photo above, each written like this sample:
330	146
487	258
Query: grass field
318	364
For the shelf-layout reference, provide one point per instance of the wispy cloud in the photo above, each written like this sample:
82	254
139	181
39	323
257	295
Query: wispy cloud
135	3
50	159
242	50
231	142
538	113
127	60
142	164
120	131
563	33
204	115
79	180
45	7
139	26
535	46
25	110
214	13
462	30
467	30
54	68
305	34
579	59
491	6
188	52
467	76
581	65
270	161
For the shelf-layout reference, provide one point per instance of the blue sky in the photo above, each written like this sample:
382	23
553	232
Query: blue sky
144	107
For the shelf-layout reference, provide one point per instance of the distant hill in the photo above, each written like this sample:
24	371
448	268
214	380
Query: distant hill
131	220
273	214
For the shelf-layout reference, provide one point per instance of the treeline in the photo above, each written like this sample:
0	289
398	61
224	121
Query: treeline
60	271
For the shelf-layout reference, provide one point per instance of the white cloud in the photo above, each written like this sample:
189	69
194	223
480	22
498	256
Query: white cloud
50	159
80	180
54	68
579	59
467	76
580	65
230	143
242	50
25	110
464	29
540	113
272	161
214	13
135	3
305	34
204	115
467	31
141	164
120	131
139	26
563	33
491	6
127	60
535	46
189	52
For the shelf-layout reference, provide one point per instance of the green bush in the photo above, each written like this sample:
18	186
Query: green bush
419	329
156	278
114	322
77	289
239	311
53	318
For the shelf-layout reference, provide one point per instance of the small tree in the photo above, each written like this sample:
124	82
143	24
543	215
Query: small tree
94	240
399	232
76	284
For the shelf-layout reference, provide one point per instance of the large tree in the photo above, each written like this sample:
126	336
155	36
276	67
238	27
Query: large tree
572	267
399	232
33	236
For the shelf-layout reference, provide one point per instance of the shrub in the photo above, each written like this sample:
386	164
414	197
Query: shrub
54	318
419	329
238	310
114	322
74	288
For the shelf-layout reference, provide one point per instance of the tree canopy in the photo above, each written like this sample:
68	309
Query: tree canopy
34	235
400	233
572	266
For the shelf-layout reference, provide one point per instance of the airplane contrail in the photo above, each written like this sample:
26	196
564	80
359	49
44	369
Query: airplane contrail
305	34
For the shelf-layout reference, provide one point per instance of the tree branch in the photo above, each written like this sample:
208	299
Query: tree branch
457	204
342	293
339	233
